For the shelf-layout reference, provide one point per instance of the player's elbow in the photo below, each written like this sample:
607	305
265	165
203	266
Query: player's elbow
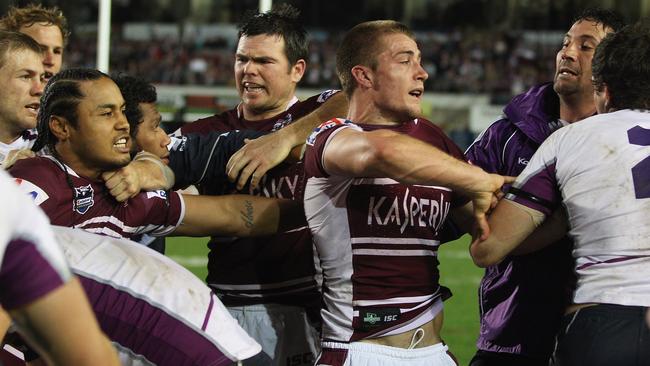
482	257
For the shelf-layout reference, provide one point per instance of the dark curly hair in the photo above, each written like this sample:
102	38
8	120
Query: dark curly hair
621	63
135	91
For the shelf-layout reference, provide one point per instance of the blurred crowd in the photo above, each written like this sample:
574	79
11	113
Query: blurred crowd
500	64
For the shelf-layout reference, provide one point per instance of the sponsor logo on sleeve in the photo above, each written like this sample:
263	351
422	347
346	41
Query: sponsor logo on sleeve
326	95
326	126
83	198
36	193
157	194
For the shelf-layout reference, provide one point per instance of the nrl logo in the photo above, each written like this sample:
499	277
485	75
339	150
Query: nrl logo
83	199
371	318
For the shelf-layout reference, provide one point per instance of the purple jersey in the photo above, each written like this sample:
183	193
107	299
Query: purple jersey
32	263
272	269
377	240
75	201
522	298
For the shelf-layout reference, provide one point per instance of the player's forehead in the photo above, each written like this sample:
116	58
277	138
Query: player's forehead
395	45
261	45
44	33
100	93
22	59
150	112
587	29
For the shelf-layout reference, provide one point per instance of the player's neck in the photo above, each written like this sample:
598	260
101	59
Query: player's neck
77	165
573	110
364	111
8	135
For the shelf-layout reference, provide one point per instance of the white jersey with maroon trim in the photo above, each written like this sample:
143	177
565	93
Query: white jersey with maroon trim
31	262
377	241
154	311
599	169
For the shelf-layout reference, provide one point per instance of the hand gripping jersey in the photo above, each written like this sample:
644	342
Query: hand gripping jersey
599	169
74	201
377	241
24	141
273	269
32	263
522	298
154	311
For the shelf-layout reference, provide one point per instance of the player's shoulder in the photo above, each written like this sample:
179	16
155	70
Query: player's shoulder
331	124
39	167
223	121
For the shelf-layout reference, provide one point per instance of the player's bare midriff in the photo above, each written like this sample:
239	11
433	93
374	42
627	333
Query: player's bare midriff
430	337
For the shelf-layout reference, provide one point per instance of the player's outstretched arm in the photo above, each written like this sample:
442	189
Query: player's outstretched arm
262	154
61	326
239	215
384	153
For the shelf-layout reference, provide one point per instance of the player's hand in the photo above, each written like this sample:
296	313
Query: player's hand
123	183
256	158
484	201
15	155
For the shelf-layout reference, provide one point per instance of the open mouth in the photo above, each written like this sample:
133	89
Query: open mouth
416	93
252	87
565	71
33	107
122	143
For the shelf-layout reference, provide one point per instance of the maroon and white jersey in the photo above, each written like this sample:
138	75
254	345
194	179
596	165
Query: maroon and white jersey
599	169
273	269
153	310
71	200
24	141
31	262
377	240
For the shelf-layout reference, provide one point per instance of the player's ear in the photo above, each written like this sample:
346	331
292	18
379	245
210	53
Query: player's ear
363	76
60	127
298	70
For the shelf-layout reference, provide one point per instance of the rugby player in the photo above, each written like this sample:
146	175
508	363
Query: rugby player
378	191
523	298
81	121
598	170
21	74
38	289
47	26
270	284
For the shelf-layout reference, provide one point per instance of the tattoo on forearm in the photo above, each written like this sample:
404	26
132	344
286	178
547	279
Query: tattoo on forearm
247	214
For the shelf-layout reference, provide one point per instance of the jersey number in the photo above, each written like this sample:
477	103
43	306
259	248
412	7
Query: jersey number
640	172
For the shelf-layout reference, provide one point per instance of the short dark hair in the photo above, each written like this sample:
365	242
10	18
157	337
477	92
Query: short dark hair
14	41
621	63
61	97
135	91
360	46
31	14
608	18
281	21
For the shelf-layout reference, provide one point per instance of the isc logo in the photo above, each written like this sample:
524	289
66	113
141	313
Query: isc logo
299	360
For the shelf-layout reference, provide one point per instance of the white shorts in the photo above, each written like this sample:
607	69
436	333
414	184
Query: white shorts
368	354
285	333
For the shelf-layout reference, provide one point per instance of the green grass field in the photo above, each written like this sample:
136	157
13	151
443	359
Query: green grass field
457	270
